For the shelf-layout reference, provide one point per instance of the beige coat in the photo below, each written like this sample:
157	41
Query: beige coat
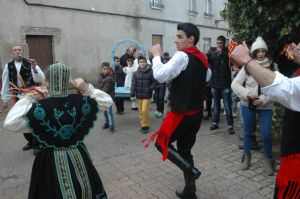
245	84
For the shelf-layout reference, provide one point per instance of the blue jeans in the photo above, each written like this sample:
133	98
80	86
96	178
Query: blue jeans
109	117
160	98
265	121
225	94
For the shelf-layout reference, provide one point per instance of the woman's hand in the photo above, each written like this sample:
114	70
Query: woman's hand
257	102
80	85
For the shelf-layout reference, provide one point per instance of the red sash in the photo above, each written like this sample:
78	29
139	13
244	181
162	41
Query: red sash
163	135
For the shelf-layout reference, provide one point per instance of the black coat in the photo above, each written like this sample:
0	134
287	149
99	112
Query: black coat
123	59
120	75
219	65
142	83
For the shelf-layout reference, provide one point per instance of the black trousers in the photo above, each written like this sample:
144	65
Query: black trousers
185	135
119	101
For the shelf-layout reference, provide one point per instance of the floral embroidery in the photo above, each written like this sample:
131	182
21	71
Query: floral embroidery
64	131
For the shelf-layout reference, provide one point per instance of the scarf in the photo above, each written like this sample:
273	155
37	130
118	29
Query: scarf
265	62
163	135
173	119
198	54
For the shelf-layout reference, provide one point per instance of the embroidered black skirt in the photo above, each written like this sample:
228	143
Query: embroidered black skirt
65	174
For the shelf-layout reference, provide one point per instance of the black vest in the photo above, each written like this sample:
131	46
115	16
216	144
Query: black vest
62	122
188	89
25	73
290	140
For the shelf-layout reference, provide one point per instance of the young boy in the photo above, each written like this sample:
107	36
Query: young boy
141	88
106	83
120	80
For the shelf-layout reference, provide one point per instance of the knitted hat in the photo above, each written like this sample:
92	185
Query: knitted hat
59	80
259	43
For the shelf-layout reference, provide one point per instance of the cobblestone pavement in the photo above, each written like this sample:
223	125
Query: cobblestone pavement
129	171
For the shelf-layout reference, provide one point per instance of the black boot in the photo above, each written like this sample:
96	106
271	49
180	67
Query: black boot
189	189
191	174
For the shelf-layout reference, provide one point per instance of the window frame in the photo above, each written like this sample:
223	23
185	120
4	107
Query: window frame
208	8
156	4
192	7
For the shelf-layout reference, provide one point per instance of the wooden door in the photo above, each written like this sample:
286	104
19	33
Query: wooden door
40	49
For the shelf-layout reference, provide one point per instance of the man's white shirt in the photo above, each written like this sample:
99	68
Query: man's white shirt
284	90
37	78
166	72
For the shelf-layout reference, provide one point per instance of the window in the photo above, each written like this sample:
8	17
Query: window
156	4
208	8
157	39
192	7
206	44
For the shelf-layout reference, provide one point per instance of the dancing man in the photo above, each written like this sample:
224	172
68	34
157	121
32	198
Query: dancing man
187	70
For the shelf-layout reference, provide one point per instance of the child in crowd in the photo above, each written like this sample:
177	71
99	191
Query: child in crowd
141	88
106	83
120	80
129	70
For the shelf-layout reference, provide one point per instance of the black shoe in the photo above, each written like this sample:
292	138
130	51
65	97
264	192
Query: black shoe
105	126
213	127
144	130
27	147
182	195
134	109
111	130
231	130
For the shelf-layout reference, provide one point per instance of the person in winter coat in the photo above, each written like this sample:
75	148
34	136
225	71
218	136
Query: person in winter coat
120	80
141	89
220	83
106	83
253	103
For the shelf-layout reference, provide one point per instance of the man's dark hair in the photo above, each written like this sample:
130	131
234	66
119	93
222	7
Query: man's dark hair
135	49
141	58
105	64
166	54
116	57
190	30
222	38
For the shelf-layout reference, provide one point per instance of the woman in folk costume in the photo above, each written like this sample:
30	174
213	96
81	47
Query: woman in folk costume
60	121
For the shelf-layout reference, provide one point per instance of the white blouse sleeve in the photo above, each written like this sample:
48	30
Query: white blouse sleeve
284	90
38	77
170	70
15	120
103	99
